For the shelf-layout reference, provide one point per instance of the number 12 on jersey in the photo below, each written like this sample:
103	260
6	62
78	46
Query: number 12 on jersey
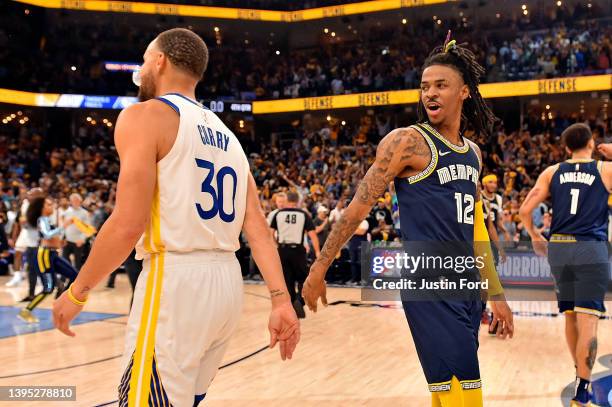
465	208
217	195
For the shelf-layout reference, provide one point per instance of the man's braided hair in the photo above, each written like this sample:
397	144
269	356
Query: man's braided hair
475	111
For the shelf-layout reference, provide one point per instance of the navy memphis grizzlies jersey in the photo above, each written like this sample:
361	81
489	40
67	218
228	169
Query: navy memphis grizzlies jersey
438	203
579	201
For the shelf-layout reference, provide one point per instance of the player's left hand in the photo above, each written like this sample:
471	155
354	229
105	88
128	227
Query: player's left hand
503	319
284	328
64	311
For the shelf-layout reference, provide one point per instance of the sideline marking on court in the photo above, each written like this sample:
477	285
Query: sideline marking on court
10	325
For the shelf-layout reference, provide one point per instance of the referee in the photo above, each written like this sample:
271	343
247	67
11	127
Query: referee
290	224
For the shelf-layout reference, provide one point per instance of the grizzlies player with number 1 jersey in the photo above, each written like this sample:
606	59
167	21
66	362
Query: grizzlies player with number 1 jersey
578	248
185	193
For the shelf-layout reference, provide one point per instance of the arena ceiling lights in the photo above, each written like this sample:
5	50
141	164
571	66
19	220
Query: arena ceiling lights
232	13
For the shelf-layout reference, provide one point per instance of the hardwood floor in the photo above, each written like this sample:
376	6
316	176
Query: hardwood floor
348	356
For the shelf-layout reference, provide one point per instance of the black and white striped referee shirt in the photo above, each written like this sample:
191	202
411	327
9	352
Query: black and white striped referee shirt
290	225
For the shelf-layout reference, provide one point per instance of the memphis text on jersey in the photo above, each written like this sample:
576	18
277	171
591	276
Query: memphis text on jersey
456	172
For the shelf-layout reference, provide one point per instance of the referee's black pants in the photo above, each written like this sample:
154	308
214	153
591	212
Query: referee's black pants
293	260
79	254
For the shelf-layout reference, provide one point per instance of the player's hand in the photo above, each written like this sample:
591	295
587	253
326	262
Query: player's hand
64	311
503	320
284	328
502	256
540	245
315	288
605	149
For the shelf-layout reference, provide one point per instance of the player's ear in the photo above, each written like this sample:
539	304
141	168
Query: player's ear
568	151
464	92
161	61
591	144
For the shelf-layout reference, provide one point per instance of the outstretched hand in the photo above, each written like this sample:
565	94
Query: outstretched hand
284	328
315	288
503	320
64	311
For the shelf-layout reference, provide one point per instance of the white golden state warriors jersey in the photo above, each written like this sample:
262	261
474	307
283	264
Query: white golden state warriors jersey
201	190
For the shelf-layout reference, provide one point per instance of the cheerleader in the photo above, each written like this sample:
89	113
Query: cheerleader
48	262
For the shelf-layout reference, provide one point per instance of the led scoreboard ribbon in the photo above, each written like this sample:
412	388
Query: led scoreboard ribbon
395	97
232	13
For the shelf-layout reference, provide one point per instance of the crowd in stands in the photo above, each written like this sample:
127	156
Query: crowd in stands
394	63
323	163
559	42
89	168
325	171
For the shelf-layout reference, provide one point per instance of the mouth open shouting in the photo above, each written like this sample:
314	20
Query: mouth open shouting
433	109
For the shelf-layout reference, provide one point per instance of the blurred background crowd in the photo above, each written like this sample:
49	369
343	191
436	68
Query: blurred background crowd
363	56
323	164
320	156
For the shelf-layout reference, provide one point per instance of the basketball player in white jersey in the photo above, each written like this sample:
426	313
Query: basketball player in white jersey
185	193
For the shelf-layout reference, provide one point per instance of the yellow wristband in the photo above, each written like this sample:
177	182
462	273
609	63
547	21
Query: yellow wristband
73	298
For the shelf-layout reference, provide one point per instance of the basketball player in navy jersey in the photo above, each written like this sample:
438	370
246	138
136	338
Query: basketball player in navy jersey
578	250
435	170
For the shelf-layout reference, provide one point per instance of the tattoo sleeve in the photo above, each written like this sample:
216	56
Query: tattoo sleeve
397	151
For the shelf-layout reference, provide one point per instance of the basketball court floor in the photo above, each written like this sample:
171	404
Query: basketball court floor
351	354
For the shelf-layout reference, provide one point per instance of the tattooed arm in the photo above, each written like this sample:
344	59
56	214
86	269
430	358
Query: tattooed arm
394	154
401	149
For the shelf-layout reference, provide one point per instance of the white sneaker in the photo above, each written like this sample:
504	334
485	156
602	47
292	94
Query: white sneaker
16	280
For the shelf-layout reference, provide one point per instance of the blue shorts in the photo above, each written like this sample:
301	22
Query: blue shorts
445	334
581	270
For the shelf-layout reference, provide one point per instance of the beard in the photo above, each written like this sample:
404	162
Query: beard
147	89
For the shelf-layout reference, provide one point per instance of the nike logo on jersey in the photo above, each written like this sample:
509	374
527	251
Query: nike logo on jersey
208	138
443	153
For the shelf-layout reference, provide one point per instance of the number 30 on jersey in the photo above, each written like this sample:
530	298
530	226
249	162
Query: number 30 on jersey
218	194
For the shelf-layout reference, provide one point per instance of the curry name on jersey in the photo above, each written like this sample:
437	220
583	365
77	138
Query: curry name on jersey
200	195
